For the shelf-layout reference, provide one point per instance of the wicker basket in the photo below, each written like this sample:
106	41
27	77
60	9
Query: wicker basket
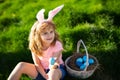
76	72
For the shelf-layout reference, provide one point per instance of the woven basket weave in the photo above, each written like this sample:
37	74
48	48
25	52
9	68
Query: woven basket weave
73	70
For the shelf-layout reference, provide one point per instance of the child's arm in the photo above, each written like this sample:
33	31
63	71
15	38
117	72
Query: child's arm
57	56
39	66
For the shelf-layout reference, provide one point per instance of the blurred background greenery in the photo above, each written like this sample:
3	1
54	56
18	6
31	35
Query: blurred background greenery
96	22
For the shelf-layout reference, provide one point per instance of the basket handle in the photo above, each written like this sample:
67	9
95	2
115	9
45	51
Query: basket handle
78	46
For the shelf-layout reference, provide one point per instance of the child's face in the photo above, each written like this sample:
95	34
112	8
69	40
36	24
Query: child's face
47	36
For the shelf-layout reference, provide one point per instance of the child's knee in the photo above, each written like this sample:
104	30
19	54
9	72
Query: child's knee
54	74
21	65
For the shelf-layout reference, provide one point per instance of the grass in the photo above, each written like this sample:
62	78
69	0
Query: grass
96	22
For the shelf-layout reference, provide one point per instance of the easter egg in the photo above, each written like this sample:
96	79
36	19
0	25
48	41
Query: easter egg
52	61
82	67
91	61
84	58
79	61
86	64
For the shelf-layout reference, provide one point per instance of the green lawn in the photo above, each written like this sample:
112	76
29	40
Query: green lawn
96	22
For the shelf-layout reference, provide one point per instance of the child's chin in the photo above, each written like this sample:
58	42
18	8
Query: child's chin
49	41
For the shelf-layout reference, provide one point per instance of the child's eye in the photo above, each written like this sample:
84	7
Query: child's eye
45	33
51	31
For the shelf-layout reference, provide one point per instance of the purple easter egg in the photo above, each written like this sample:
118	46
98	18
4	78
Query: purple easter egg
91	61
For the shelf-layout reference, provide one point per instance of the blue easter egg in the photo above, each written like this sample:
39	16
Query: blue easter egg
82	67
84	58
91	61
52	61
86	64
78	64
79	61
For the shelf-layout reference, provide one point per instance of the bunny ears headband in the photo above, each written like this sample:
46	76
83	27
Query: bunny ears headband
51	14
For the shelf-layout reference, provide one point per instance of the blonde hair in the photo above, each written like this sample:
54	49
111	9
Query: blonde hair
35	42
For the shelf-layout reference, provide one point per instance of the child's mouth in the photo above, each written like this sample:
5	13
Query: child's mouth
49	39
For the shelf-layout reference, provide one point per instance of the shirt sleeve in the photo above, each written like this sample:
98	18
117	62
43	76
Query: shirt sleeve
58	46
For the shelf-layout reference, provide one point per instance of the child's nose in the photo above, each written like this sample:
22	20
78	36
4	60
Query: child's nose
49	34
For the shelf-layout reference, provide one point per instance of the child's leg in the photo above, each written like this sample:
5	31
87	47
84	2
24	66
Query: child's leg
23	68
54	74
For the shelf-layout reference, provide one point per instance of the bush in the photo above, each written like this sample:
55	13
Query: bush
96	22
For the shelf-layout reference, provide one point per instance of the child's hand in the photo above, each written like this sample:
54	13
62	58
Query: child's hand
45	76
53	63
54	67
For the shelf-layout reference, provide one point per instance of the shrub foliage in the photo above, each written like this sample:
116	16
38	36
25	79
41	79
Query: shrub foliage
96	22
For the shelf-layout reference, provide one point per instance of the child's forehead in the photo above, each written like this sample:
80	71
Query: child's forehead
47	29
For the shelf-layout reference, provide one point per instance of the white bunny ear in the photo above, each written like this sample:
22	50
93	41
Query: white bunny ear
40	15
53	12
